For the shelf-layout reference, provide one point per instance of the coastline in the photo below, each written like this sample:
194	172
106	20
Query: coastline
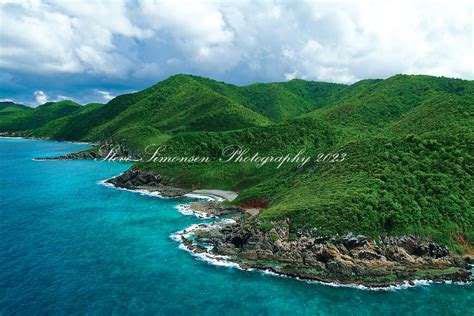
49	139
225	261
205	242
342	267
207	252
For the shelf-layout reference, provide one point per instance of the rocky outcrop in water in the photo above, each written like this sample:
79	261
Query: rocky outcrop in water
86	154
344	259
147	180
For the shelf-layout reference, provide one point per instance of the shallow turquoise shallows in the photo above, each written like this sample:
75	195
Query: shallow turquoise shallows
69	245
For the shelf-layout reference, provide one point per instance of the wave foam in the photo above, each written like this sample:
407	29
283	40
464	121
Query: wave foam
186	209
208	197
217	260
223	261
140	191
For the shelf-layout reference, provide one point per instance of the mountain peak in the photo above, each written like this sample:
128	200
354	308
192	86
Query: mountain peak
58	103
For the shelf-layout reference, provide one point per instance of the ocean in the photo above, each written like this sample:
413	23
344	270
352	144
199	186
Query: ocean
70	245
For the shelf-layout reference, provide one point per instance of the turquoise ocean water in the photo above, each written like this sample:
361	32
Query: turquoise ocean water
69	245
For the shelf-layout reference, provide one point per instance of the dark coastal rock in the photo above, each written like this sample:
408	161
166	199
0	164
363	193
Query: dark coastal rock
340	267
422	250
351	242
326	253
107	150
415	247
249	254
226	249
469	258
399	255
87	154
311	260
367	255
141	179
13	134
323	239
437	251
409	243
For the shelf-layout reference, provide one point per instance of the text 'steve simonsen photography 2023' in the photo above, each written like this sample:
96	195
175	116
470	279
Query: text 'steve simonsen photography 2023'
214	157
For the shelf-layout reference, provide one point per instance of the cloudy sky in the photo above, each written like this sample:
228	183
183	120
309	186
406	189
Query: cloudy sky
93	50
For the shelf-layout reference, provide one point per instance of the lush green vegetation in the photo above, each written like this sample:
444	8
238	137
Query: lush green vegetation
53	129
281	100
180	103
408	141
8	108
24	119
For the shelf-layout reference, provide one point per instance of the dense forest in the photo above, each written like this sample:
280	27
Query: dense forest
407	143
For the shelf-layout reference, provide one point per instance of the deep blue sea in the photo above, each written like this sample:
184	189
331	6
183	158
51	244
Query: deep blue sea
69	245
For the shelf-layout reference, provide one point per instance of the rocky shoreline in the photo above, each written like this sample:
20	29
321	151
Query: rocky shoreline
250	243
346	260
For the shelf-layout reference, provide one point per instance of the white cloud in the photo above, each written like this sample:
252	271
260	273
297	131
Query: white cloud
40	97
65	36
148	70
290	75
337	40
63	97
197	28
105	95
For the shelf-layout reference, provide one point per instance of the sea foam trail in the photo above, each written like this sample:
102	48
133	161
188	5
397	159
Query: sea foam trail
217	260
208	197
140	191
186	209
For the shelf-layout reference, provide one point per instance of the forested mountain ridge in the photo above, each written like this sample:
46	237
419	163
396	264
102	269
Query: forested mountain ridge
25	118
407	140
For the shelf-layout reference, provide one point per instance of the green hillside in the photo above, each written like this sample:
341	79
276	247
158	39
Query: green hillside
52	129
36	117
379	103
184	103
179	103
9	108
413	180
407	141
281	100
